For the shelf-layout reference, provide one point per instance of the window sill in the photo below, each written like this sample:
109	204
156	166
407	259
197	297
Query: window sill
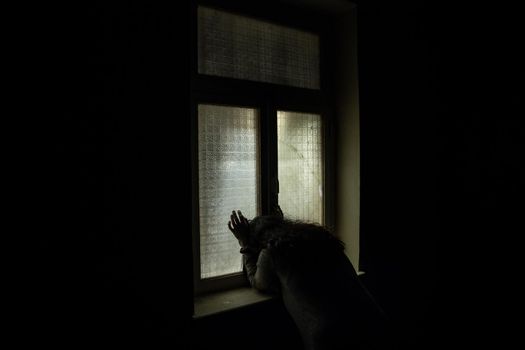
211	304
219	302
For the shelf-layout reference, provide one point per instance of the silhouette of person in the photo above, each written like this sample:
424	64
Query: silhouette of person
306	265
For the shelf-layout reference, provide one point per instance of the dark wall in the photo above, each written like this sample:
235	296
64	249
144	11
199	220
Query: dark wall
115	261
400	110
442	138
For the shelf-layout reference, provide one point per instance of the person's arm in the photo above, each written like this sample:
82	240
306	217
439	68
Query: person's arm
257	263
260	270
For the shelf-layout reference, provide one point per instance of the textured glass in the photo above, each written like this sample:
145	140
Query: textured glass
228	180
300	166
240	47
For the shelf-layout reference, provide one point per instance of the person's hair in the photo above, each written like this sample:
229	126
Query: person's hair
280	233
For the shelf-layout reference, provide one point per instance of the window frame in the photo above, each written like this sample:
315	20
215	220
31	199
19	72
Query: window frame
267	98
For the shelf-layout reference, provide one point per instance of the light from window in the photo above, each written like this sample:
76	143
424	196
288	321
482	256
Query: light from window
300	166
240	47
228	151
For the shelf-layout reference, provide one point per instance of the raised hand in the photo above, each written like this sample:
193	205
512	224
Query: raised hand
240	227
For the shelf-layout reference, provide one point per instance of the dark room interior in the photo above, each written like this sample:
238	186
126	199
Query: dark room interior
441	109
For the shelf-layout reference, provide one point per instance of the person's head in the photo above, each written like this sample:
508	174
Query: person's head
264	227
276	231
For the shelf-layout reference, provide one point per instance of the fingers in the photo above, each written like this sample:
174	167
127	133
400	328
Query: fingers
235	220
243	220
233	230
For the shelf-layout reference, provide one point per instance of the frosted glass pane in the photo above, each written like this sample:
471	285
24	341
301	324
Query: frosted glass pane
300	166
240	47
228	180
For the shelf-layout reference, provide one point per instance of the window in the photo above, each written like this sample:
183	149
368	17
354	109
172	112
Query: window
239	47
259	124
300	165
228	179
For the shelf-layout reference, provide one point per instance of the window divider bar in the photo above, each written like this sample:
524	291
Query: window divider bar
268	158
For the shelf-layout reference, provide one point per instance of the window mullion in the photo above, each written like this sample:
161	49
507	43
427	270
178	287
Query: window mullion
268	157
